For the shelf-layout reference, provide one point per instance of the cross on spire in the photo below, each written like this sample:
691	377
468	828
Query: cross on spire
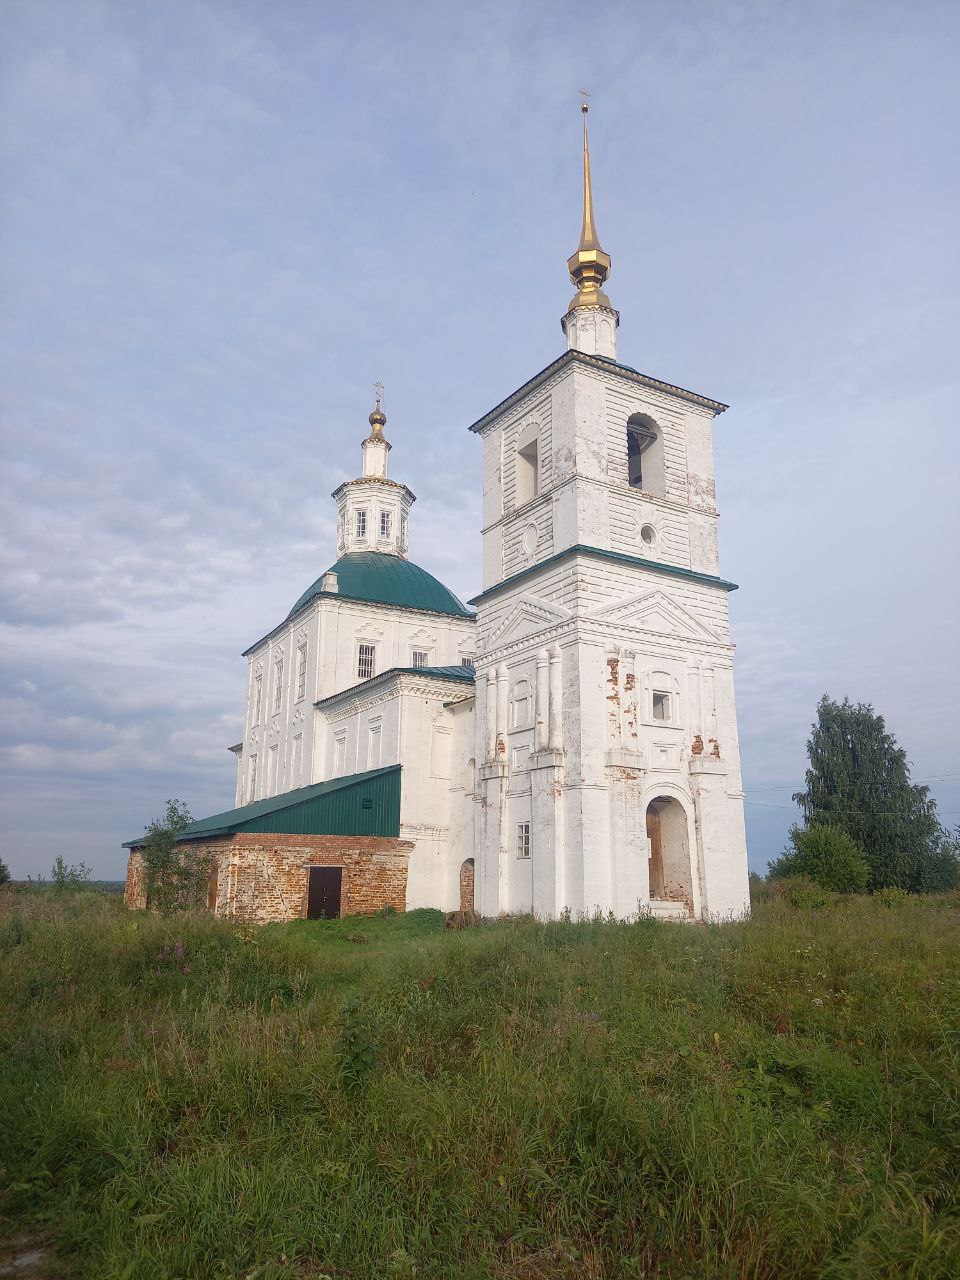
585	104
378	388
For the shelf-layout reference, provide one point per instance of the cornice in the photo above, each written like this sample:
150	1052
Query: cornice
382	481
391	682
597	363
600	482
337	598
600	553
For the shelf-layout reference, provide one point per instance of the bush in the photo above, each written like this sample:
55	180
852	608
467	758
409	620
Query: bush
69	875
828	856
4	873
892	896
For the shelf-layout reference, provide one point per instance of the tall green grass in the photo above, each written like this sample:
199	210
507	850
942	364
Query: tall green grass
368	1098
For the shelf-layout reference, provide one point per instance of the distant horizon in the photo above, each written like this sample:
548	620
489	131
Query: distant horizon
225	222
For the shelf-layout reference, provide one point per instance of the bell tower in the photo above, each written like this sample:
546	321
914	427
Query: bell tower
608	768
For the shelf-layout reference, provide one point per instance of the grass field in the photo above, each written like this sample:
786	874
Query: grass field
369	1098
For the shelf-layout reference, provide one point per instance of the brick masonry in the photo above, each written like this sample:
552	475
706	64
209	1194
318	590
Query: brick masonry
263	877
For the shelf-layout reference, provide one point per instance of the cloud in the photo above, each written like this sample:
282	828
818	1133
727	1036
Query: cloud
224	222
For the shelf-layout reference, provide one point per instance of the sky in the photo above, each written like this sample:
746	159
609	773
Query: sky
223	220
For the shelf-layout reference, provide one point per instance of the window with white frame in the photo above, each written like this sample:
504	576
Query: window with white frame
366	661
662	709
420	658
257	698
298	760
386	524
277	684
467	662
520	706
403	531
340	754
361	523
301	671
252	788
373	746
523	839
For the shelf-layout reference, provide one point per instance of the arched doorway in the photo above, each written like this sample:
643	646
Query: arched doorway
466	885
669	838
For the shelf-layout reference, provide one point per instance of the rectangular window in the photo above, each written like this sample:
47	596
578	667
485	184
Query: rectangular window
277	684
420	658
251	794
523	839
257	698
361	523
366	661
298	760
373	747
661	706
339	754
403	532
467	662
301	671
273	770
385	524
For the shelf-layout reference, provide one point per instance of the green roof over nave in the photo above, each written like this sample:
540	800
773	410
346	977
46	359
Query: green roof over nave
386	579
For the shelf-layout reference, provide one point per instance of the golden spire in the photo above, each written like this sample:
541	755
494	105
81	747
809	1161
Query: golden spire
378	419
589	266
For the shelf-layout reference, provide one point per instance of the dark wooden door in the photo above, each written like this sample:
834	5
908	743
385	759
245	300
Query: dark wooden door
323	893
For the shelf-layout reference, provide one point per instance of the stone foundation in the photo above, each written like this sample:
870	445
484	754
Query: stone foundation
263	877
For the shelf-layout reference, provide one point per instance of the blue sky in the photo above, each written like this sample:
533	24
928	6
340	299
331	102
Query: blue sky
222	221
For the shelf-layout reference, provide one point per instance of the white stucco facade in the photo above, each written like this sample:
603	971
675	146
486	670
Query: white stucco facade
605	696
592	763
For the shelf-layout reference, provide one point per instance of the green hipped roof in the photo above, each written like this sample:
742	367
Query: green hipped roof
366	804
386	579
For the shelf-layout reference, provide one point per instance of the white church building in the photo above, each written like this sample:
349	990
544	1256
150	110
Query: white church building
569	744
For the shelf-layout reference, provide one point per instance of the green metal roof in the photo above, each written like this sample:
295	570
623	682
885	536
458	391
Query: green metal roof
386	579
360	804
467	674
670	570
463	675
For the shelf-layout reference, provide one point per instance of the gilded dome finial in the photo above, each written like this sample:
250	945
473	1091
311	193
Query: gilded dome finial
589	266
378	419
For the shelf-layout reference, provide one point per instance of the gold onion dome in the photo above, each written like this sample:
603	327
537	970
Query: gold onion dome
378	419
589	266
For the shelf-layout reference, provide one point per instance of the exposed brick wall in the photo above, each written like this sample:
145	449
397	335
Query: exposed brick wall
466	885
264	877
135	890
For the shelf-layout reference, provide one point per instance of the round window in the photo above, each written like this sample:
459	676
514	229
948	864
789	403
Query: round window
648	534
531	536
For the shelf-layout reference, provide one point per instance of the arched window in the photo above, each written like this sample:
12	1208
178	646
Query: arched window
527	464
645	455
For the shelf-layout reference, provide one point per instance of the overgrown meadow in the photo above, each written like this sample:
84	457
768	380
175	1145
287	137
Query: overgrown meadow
369	1098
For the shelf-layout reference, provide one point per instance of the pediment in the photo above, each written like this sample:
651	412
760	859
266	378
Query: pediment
528	616
655	612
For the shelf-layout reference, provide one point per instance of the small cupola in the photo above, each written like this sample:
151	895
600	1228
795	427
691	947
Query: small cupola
373	510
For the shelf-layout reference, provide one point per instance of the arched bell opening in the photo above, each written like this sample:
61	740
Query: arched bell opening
669	836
